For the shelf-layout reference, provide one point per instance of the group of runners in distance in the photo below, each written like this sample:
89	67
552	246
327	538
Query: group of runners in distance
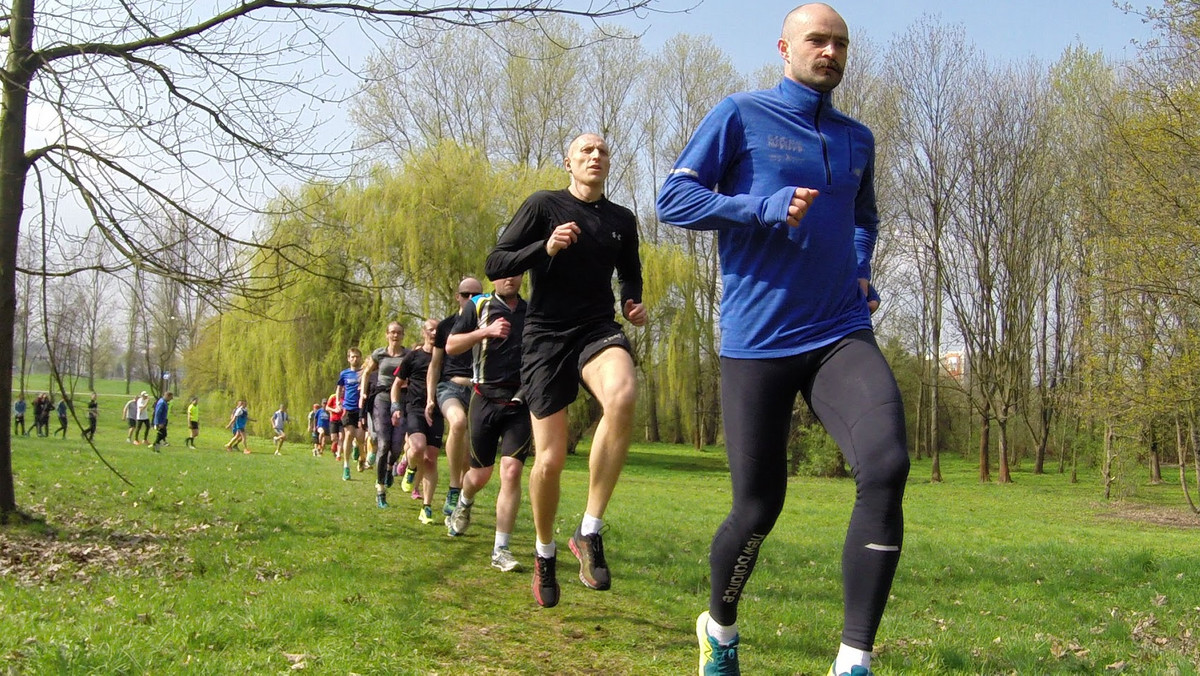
43	406
787	183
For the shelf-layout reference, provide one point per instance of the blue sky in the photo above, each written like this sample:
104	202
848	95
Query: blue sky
1005	30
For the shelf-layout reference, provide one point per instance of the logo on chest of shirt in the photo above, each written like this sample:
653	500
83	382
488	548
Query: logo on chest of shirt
776	142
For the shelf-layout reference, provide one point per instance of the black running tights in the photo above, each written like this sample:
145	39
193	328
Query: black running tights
850	388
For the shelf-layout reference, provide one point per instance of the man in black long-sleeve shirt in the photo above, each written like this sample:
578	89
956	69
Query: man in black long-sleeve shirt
571	241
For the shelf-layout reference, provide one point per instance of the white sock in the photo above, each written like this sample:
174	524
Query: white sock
464	501
590	525
545	551
502	540
848	657
723	634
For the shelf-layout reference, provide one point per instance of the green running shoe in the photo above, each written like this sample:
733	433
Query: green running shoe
451	501
856	670
345	474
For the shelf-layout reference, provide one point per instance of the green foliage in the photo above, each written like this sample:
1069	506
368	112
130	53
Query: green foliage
353	259
813	453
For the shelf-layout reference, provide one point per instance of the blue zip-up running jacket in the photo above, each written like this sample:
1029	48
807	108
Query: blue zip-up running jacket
786	290
161	408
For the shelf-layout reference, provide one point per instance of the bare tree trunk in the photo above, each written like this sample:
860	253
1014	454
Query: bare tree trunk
1005	475
1107	471
1039	456
985	426
1155	460
134	310
13	164
1181	453
935	470
920	415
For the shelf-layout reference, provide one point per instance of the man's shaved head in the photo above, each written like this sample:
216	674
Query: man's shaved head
813	44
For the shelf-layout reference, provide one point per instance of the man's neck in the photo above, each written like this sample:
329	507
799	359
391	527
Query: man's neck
586	193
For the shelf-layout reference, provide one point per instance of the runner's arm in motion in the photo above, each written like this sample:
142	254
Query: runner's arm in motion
364	377
432	377
522	244
397	408
688	197
457	343
629	274
466	332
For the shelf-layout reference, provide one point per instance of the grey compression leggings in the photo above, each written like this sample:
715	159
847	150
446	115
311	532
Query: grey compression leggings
850	388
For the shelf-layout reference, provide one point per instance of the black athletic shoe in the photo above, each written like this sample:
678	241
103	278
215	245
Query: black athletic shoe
593	569
545	582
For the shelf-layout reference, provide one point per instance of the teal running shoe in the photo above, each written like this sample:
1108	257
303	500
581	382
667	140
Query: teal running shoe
715	659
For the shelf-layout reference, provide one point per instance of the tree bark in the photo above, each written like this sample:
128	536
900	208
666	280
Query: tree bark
985	426
17	76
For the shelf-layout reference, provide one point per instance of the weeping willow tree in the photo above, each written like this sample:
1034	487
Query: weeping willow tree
287	347
391	247
677	333
432	220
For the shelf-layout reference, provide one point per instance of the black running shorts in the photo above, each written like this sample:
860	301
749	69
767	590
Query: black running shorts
498	425
415	424
552	361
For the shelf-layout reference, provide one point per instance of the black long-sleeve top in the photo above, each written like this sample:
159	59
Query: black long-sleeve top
574	286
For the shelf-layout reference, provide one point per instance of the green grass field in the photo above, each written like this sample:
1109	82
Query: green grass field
215	562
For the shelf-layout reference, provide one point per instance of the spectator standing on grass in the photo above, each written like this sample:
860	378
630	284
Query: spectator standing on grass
19	407
787	182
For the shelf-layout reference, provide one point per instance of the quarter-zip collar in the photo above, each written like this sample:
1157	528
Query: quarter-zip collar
804	98
812	105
